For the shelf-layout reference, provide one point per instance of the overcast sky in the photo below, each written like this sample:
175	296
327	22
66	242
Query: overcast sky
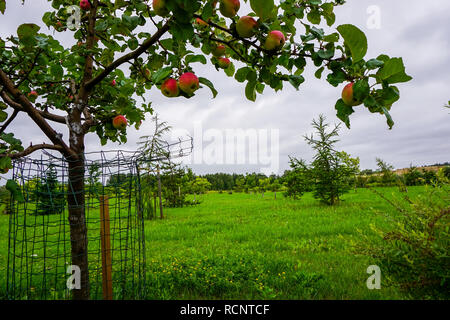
413	29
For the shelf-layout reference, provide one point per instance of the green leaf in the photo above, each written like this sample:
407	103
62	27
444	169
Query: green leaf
209	84
161	75
241	74
355	40
195	58
263	9
343	112
230	70
296	81
250	90
314	16
57	71
390	122
2	6
361	90
14	189
3	116
133	43
318	73
374	63
27	33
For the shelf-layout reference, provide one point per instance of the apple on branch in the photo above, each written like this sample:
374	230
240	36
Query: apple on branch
246	27
188	83
274	41
347	96
120	122
229	8
85	5
224	63
170	89
218	50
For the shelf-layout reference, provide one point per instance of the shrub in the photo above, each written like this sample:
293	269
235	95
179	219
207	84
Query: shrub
415	253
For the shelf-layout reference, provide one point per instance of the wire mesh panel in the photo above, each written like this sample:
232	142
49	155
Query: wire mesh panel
39	247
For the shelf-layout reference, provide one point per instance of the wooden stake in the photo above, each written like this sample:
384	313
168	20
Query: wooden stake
159	194
105	235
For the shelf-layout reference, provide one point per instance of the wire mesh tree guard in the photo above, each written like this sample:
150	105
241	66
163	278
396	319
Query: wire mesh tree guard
39	246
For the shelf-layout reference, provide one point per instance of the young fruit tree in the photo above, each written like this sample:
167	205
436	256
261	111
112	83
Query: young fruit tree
121	49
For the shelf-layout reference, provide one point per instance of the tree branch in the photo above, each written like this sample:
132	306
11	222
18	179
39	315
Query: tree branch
130	56
45	114
32	149
35	115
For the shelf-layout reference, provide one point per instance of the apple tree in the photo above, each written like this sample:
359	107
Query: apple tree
120	49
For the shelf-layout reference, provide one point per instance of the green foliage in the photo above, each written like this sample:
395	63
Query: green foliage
414	252
48	194
58	73
332	171
298	180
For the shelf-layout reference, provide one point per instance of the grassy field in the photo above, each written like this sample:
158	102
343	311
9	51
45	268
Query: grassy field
245	246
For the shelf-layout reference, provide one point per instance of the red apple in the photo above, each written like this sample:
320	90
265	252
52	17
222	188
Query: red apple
188	83
160	8
229	8
33	95
85	4
113	82
58	26
224	63
170	89
4	170
120	122
347	95
246	27
218	50
275	40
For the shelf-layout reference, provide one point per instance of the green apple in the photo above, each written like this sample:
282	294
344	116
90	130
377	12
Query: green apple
275	40
246	27
229	8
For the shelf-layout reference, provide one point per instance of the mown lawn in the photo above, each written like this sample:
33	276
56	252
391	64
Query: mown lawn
245	246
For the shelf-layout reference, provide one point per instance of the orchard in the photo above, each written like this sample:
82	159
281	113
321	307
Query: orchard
121	49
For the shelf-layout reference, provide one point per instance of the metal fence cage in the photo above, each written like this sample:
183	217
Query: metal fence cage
39	245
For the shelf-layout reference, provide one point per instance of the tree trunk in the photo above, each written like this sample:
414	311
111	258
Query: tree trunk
76	205
77	220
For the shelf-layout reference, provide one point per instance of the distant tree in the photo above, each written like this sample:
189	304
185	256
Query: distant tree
264	185
297	180
413	177
240	184
275	186
331	170
50	199
386	170
200	185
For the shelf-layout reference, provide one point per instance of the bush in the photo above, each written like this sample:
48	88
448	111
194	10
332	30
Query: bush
415	253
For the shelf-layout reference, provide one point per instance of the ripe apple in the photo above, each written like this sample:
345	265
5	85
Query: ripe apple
113	82
188	83
120	122
218	50
224	63
160	8
229	8
33	95
275	40
347	95
170	89
246	27
4	170
85	5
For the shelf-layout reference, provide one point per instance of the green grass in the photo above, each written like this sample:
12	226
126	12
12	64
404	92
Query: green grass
244	246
